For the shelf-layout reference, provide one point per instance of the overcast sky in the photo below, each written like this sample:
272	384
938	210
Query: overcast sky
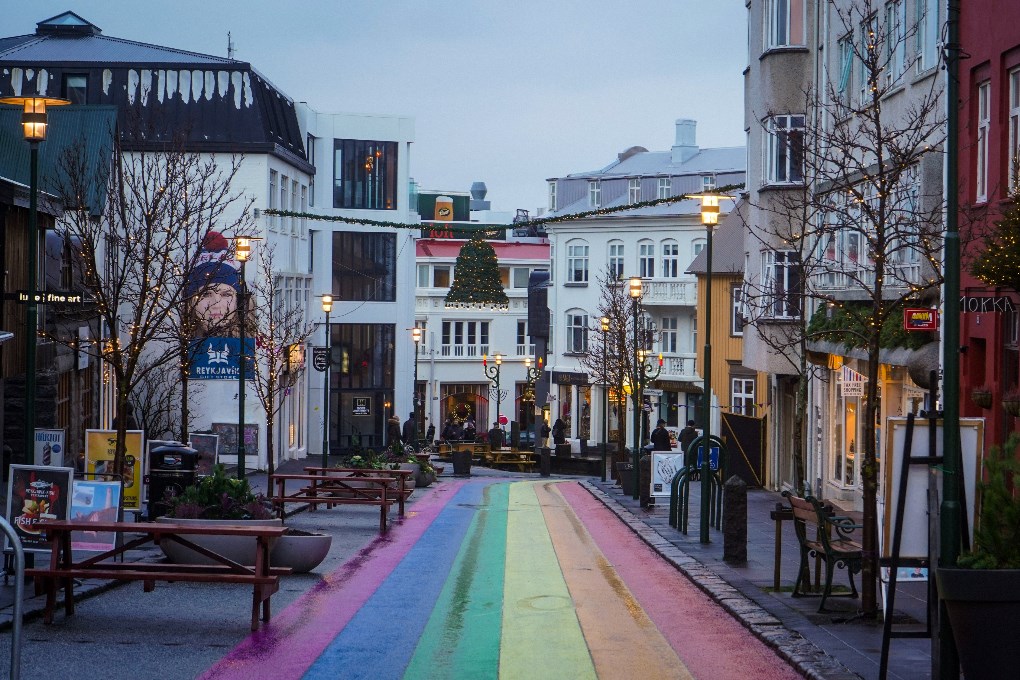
509	92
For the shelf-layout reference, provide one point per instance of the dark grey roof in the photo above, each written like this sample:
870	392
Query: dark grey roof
649	163
727	246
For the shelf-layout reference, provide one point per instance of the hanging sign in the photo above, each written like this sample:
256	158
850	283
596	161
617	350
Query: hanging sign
852	382
320	358
920	319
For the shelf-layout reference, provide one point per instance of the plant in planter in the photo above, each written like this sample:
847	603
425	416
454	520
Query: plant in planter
981	397
217	496
982	596
1011	403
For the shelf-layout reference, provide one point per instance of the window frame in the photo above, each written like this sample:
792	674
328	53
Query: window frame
616	252
552	196
779	25
576	331
737	310
634	191
927	35
365	185
742	395
984	102
669	335
663	187
464	338
577	260
782	149
594	193
1013	135
670	259
783	292
895	39
646	259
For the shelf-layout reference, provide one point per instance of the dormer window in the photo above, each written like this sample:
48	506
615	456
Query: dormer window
76	87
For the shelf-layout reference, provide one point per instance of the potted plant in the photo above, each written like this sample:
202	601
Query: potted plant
982	595
1011	403
982	397
219	498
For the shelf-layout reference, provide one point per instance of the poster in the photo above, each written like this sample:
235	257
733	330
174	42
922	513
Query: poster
219	359
228	439
100	448
93	501
664	468
35	493
207	446
49	447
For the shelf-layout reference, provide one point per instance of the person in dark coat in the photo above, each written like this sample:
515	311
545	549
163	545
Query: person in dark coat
469	430
687	435
559	432
495	437
430	434
409	433
660	437
392	430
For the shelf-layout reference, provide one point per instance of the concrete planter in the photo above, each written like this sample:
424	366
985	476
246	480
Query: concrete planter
984	611
240	549
302	551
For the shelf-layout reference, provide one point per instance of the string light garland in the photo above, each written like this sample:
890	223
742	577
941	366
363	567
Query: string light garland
537	222
999	263
476	282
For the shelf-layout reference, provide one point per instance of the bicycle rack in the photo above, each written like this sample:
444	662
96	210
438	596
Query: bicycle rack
19	597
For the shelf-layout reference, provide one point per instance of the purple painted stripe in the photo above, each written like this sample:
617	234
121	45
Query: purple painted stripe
288	645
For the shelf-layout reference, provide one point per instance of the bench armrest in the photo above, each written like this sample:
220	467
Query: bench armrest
843	525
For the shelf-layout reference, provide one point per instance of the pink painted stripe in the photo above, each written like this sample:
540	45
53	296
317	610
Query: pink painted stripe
710	642
288	645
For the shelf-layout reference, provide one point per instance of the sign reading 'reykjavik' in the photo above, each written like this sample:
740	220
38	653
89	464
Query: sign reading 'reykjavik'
218	359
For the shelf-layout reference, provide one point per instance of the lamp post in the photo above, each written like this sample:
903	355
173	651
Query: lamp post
532	374
327	307
635	296
416	335
710	218
242	251
492	373
33	124
604	321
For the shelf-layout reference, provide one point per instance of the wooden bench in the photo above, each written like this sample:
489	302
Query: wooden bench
329	490
62	570
814	525
508	457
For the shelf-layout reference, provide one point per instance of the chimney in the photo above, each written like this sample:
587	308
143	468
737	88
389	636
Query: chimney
686	147
478	202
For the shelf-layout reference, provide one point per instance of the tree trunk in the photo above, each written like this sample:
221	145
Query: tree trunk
183	371
869	478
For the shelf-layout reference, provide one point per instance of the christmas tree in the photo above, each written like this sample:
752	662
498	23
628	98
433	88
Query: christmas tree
476	282
999	263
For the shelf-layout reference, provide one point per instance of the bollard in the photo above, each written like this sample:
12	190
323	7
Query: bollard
645	480
545	461
734	521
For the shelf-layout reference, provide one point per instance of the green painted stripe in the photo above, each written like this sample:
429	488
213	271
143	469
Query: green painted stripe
542	637
462	636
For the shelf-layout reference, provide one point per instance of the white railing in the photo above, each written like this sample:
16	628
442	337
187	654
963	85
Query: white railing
459	351
670	293
678	366
525	350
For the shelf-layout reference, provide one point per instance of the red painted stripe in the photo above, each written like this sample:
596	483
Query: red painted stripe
286	646
710	642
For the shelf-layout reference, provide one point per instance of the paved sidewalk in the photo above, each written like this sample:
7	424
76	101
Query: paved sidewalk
834	645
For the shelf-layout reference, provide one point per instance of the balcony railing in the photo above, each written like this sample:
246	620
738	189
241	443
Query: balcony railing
682	293
681	365
458	351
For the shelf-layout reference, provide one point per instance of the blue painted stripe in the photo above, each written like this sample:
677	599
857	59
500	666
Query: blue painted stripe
381	638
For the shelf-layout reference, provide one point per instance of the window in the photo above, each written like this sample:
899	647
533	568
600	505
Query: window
364	174
895	40
664	188
520	277
782	273
1014	130
616	259
784	23
670	259
524	347
708	182
736	310
364	266
846	66
274	221
742	396
669	335
465	339
423	276
869	40
310	152
984	95
76	88
784	150
284	202
634	191
927	34
646	259
303	222
441	276
577	332
696	247
594	194
577	263
552	196
504	277
295	205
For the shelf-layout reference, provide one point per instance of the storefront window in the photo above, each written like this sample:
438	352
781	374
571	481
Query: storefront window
584	417
566	399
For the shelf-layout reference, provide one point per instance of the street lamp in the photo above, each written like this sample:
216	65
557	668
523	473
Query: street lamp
635	296
492	373
605	392
531	376
242	251
33	123
327	307
416	335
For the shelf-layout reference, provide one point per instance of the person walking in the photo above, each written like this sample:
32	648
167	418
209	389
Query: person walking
687	436
392	430
660	437
495	437
409	433
559	432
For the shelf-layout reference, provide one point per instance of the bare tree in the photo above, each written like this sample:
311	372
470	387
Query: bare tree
137	254
280	333
860	237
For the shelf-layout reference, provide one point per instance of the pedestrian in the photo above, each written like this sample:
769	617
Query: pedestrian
660	437
392	430
559	432
469	430
430	434
495	437
545	433
410	431
687	435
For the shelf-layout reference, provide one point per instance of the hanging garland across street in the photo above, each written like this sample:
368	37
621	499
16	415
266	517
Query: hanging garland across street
538	221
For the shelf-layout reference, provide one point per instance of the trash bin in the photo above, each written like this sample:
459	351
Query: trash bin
172	468
461	463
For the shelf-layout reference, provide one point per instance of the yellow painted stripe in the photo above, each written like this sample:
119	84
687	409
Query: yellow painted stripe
541	634
623	641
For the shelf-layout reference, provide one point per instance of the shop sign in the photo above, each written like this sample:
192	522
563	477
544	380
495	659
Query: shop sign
36	493
920	319
100	451
986	303
851	382
568	378
320	358
362	406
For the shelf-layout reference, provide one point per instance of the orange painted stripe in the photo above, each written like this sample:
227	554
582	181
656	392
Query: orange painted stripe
622	640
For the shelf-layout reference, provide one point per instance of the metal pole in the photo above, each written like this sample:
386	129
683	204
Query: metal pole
31	314
242	295
951	514
325	398
414	396
706	446
605	396
499	397
636	393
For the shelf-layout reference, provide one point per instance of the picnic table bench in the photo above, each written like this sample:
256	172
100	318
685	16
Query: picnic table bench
354	487
814	524
508	457
62	570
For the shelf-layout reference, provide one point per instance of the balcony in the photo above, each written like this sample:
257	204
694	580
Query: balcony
679	366
674	293
463	351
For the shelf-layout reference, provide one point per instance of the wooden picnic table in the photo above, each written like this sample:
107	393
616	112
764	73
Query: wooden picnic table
522	459
364	488
63	569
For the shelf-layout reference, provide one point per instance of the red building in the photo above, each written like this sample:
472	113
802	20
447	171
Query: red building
989	166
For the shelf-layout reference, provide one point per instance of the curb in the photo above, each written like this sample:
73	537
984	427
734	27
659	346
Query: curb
806	658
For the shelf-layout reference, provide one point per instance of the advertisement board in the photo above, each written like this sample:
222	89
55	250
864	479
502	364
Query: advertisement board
93	501
35	493
100	450
49	447
664	466
207	446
